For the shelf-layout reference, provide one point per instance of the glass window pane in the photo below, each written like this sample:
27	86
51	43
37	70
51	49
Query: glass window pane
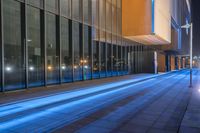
52	5
109	16
37	3
52	50
14	61
114	17
87	11
95	47
119	61
35	51
76	40
66	52
65	6
103	60
109	59
95	13
87	53
119	17
76	10
102	9
115	58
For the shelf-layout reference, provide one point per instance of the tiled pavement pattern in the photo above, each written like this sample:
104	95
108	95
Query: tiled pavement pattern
8	97
161	110
155	105
191	120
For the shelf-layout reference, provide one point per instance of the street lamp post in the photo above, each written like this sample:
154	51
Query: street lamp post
190	26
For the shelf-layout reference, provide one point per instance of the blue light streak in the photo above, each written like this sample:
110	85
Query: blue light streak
42	101
67	107
18	121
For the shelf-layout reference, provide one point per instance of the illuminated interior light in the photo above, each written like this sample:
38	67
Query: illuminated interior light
85	61
8	69
49	68
63	67
31	68
75	67
29	40
86	67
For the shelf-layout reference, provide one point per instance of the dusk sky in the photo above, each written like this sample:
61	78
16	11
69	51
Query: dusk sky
196	21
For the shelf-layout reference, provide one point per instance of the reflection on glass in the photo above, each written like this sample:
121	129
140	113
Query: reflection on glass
37	3
87	53
65	7
88	50
13	60
87	11
109	18
119	17
114	17
103	60
95	13
76	13
115	61
52	50
66	52
109	60
78	61
102	13
52	5
120	61
35	55
95	47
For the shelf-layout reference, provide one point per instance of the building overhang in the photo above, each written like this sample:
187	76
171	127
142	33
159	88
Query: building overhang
147	21
148	39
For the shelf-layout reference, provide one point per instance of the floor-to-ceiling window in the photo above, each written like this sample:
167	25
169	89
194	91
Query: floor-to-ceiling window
52	49
76	10
120	61
36	3
115	60
87	11
77	46
125	59
109	37
102	32
52	5
66	51
95	56
95	39
65	7
35	48
103	59
87	67
79	41
109	60
14	48
114	38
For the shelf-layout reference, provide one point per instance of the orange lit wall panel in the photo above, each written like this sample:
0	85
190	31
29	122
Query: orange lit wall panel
136	17
147	21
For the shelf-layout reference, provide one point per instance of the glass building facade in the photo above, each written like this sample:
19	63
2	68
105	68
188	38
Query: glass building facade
45	42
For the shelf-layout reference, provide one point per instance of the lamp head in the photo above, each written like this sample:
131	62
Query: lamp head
187	26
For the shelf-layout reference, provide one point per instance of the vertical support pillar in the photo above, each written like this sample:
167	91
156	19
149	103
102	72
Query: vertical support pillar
2	46
155	62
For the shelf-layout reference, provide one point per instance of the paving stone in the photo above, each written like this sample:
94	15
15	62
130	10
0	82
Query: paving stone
155	130
185	129
133	128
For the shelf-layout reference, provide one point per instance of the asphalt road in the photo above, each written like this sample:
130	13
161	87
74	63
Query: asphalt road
154	105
